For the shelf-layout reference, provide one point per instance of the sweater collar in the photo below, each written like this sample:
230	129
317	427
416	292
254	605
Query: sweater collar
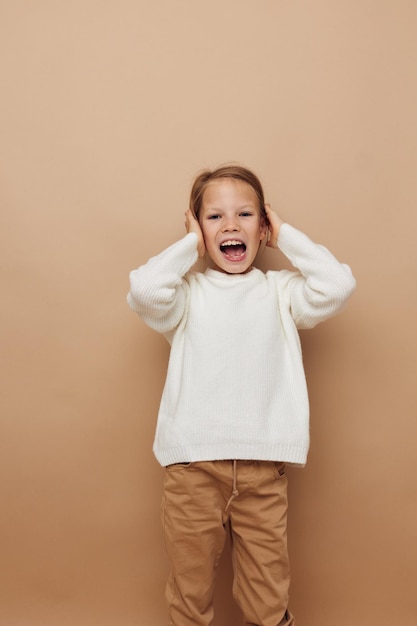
224	277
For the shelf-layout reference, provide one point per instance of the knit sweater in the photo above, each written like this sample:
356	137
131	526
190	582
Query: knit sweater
235	386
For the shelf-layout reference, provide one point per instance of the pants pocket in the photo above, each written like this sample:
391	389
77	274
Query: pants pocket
177	467
279	470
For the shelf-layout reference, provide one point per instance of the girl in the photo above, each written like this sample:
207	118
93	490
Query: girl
234	409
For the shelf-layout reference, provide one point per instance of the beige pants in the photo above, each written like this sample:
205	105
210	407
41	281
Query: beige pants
200	501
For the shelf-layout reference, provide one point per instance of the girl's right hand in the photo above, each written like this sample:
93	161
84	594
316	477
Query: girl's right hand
192	226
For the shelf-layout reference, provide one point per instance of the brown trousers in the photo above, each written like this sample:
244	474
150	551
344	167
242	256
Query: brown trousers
200	501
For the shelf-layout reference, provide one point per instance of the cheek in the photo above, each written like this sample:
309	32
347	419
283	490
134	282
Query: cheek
202	227
207	235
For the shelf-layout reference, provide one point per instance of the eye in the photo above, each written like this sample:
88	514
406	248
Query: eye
213	217
246	214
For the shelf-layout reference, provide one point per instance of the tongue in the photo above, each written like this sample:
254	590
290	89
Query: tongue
234	251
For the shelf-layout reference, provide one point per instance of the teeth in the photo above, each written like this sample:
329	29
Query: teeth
232	242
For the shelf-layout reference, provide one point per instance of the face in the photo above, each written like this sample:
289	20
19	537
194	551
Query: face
231	224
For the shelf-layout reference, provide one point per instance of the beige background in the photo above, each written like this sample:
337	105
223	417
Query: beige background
108	109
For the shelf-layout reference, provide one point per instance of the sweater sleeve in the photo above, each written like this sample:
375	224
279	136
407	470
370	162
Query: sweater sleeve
158	291
322	284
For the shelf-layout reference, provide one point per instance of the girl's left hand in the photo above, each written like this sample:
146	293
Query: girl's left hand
275	223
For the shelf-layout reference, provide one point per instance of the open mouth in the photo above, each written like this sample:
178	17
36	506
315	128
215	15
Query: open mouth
233	249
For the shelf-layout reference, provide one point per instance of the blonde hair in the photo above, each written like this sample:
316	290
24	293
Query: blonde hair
235	172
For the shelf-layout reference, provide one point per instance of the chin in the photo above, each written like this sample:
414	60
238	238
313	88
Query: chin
238	268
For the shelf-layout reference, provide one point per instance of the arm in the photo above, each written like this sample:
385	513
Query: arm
158	292
322	284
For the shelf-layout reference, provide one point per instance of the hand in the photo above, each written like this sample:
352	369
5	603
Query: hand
275	223
192	226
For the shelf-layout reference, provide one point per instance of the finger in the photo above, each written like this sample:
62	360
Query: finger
268	212
191	216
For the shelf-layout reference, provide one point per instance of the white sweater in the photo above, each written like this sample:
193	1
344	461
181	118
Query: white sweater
235	386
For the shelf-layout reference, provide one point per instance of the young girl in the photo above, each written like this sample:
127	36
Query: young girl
234	409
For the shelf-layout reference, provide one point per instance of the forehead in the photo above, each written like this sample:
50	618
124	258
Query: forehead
229	191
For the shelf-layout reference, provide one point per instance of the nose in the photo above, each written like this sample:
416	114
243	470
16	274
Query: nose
230	224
